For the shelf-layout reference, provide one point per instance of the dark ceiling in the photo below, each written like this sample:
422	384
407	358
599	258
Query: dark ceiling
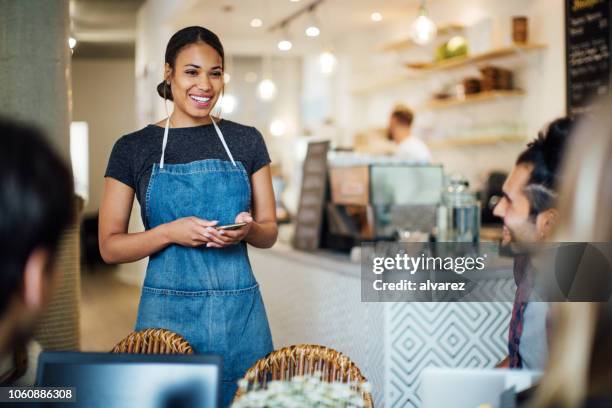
104	28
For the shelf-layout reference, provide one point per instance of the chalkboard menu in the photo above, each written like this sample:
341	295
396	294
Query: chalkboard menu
312	197
587	52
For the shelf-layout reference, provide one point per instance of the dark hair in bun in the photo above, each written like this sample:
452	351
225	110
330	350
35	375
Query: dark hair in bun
183	38
545	154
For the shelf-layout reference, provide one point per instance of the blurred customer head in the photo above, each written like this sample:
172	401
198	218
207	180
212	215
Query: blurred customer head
580	364
400	123
193	73
36	190
527	206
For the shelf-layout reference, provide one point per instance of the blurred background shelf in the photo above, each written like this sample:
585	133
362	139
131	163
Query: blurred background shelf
471	59
476	140
470	99
402	44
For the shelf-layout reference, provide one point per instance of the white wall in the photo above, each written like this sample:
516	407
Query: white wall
252	111
543	79
103	96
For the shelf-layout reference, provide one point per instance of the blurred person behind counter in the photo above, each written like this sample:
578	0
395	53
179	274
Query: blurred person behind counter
409	146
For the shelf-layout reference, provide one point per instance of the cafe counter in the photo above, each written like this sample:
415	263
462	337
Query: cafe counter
315	297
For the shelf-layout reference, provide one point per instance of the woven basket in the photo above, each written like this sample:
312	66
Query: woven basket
304	359
153	341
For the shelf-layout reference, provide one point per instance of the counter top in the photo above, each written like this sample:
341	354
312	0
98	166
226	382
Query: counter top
321	259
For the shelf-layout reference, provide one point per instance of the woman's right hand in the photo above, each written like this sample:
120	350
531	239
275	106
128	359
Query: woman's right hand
189	231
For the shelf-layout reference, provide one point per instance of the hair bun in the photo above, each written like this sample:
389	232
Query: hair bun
164	90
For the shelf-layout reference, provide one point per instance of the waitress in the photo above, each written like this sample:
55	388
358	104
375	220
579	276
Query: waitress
192	173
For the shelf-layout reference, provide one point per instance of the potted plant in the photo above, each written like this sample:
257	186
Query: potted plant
303	392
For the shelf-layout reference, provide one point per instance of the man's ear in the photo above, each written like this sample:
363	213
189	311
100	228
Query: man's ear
546	222
34	279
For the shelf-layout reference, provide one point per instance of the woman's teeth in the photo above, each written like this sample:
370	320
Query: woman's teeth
200	99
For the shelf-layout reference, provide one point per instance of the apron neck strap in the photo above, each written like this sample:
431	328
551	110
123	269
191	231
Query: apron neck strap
161	162
227	150
167	127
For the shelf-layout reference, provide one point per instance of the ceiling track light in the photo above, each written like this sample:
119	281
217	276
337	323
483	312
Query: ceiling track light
313	26
285	43
287	20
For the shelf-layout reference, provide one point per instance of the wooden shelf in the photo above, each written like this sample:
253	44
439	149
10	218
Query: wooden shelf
405	43
455	62
475	141
473	98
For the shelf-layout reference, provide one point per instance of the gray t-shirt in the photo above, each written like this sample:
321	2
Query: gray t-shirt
133	155
534	339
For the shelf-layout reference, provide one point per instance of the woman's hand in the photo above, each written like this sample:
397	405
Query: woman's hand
223	238
189	231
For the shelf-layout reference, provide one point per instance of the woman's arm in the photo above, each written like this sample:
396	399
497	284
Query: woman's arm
261	230
119	246
264	231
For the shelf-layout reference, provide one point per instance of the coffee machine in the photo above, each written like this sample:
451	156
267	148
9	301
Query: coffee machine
376	201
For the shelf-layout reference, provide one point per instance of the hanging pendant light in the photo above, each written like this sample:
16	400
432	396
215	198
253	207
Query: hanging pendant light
327	62
313	29
266	89
424	30
228	104
285	43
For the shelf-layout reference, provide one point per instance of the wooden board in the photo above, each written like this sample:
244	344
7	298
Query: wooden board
312	198
473	98
472	59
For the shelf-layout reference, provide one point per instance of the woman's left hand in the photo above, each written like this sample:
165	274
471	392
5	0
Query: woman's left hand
223	238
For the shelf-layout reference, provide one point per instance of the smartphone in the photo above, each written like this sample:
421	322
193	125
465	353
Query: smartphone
231	226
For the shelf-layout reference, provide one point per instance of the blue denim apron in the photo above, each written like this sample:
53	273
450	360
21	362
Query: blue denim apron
207	295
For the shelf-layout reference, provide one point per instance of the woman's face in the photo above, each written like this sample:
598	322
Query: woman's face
196	80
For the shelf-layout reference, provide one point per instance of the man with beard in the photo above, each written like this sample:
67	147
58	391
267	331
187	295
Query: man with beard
528	211
36	196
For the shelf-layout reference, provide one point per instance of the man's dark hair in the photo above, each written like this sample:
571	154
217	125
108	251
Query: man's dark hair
545	154
36	202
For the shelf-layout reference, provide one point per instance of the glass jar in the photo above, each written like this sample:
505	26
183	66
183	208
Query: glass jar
458	218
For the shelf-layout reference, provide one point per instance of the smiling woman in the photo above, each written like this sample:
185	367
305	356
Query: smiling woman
191	174
193	74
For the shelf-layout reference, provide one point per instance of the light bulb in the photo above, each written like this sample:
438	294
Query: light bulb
72	42
284	45
278	127
376	16
256	23
228	103
266	89
327	62
424	30
313	31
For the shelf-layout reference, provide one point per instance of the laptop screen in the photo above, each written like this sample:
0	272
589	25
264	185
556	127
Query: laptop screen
131	380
